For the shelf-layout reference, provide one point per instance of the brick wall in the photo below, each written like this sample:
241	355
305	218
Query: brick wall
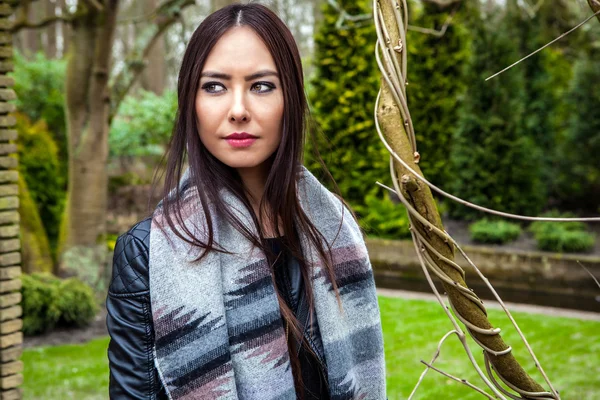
11	337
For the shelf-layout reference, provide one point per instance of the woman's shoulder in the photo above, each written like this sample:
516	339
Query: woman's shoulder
130	260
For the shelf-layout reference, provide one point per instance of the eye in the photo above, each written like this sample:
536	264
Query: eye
207	87
268	85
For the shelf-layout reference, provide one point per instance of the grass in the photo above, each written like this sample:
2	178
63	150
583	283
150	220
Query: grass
568	349
78	371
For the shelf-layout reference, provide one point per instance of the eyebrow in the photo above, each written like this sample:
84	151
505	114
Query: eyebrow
256	75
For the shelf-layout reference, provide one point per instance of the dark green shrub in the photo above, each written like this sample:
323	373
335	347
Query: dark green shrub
49	302
437	65
76	303
342	97
496	163
143	124
559	240
569	237
39	165
381	217
496	232
40	303
578	179
39	85
539	227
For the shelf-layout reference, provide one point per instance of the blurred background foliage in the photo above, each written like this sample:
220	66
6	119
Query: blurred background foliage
524	142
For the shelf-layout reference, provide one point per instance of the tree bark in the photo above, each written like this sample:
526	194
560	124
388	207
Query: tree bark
51	31
88	107
65	29
30	38
153	77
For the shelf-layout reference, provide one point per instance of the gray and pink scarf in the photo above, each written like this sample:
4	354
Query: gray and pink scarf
218	327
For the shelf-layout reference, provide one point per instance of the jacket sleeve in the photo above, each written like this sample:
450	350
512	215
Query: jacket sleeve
129	322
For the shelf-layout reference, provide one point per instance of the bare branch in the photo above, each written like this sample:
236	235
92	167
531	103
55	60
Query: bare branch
463	381
532	10
597	13
22	21
588	271
166	14
345	16
434	32
435	356
96	4
25	24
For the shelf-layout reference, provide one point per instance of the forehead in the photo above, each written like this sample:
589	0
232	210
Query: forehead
239	51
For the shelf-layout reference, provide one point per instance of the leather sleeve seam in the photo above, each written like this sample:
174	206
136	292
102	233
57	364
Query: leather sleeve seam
148	350
125	295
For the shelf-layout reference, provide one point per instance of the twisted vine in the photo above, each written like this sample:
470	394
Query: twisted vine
435	248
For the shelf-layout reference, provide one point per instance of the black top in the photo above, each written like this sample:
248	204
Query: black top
315	386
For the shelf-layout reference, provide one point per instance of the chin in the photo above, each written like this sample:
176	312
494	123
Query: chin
243	163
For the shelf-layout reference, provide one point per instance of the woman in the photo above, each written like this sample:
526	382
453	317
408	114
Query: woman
250	280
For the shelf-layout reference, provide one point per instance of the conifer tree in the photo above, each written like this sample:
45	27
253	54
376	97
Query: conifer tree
579	177
436	83
342	95
496	164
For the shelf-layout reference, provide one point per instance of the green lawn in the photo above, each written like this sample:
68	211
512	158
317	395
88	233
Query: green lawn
66	372
568	349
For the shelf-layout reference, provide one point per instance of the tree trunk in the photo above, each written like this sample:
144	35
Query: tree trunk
30	38
153	77
50	47
65	29
83	248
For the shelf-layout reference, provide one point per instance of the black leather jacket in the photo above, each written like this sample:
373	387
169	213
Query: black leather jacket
129	321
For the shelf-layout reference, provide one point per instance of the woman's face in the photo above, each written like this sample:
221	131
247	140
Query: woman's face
239	92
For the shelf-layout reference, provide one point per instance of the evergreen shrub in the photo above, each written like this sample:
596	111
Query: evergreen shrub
49	302
342	95
494	231
76	303
143	124
383	218
39	165
568	237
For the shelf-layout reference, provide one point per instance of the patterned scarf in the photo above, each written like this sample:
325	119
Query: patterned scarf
218	328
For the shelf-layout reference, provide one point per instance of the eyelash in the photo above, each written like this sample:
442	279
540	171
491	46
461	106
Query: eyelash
209	84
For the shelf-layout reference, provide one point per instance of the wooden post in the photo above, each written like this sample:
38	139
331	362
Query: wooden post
11	324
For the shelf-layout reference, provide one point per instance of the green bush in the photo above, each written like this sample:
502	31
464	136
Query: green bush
496	163
342	97
39	165
39	85
40	303
381	217
496	232
143	124
49	302
76	303
559	240
569	237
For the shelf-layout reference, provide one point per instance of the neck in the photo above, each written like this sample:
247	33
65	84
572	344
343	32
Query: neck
254	180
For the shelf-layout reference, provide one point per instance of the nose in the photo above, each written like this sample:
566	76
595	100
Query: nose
239	111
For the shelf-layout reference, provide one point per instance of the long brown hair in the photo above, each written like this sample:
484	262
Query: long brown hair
208	173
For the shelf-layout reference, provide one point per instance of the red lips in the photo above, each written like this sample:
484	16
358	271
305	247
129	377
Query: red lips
240	135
